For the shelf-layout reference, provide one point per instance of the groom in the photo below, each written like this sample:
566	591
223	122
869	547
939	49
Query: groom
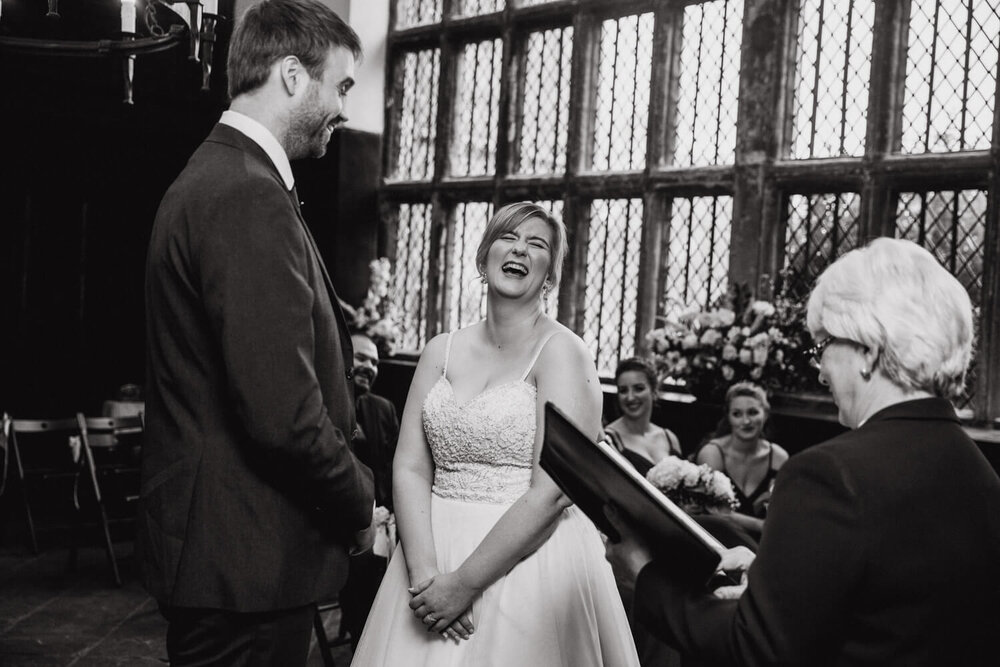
251	496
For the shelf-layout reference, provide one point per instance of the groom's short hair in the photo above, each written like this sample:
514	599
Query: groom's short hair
273	29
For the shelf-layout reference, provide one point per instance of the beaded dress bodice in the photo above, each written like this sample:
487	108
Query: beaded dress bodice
483	449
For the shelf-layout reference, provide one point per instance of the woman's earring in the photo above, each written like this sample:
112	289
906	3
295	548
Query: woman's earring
866	374
546	288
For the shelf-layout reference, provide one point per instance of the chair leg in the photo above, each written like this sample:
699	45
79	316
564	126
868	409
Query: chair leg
322	642
108	545
88	463
74	547
24	497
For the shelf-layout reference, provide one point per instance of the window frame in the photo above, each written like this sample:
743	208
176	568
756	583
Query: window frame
760	179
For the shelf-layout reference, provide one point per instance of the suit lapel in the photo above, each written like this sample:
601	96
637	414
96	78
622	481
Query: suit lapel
345	335
227	135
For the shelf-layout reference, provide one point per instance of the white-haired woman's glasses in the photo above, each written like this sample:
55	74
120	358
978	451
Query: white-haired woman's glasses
815	353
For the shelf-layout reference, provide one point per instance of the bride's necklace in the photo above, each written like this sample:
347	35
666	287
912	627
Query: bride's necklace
501	345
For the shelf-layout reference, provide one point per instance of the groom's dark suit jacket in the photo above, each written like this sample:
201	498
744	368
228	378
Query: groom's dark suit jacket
250	489
881	547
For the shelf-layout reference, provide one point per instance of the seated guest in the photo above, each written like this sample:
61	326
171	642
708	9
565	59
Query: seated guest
632	434
739	450
374	446
881	544
644	444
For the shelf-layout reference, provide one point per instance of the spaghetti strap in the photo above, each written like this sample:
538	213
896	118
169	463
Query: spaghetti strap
538	353
447	353
616	439
723	455
673	443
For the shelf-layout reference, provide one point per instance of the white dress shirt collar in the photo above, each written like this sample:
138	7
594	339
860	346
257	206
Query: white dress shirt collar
261	136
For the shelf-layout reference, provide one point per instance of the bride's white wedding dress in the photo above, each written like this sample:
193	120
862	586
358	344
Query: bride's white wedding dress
557	607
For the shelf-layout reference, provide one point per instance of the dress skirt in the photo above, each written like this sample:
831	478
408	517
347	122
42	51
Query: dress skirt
557	607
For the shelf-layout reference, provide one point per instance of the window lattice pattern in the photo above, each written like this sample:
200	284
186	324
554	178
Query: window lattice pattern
612	280
417	12
473	149
418	115
708	84
820	229
951	74
623	93
466	292
477	7
698	251
952	225
544	117
834	65
409	287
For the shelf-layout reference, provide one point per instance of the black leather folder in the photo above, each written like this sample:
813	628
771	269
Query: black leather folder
593	474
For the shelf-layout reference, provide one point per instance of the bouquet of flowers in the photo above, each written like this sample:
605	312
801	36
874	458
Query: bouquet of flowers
379	315
739	338
696	488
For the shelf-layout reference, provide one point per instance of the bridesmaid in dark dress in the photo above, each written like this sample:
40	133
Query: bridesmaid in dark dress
739	450
644	444
633	434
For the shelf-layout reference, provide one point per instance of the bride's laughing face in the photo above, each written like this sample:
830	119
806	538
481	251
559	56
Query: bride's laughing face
518	262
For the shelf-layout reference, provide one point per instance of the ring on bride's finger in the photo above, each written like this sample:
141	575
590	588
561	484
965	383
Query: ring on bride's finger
430	619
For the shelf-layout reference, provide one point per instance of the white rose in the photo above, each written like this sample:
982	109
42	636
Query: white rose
710	337
760	355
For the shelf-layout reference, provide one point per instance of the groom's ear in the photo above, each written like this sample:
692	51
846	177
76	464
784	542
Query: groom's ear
292	75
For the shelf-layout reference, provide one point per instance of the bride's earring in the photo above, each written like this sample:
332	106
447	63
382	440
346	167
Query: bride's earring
546	288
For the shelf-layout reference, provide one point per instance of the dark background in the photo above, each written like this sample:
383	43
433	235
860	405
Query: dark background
81	176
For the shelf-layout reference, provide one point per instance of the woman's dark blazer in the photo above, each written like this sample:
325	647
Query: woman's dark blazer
250	490
881	547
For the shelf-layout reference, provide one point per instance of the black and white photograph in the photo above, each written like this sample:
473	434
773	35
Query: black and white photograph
480	333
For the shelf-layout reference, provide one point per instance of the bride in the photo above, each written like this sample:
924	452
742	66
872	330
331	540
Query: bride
496	567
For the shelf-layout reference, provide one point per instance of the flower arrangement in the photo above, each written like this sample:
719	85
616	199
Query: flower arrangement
696	488
739	339
380	314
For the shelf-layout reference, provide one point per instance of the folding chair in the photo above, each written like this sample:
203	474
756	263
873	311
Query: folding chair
43	450
323	641
111	449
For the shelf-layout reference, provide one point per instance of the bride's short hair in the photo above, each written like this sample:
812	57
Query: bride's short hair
509	218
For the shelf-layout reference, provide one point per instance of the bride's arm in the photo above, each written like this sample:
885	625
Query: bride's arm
564	374
413	469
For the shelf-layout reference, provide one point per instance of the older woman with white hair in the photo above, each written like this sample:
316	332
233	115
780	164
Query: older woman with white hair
881	544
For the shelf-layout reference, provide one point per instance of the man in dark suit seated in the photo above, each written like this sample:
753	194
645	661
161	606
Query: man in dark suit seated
375	446
251	495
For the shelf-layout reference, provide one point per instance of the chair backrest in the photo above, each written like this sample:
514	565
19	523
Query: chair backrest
44	443
115	427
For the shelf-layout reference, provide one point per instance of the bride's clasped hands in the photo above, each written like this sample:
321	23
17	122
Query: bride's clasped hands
443	602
